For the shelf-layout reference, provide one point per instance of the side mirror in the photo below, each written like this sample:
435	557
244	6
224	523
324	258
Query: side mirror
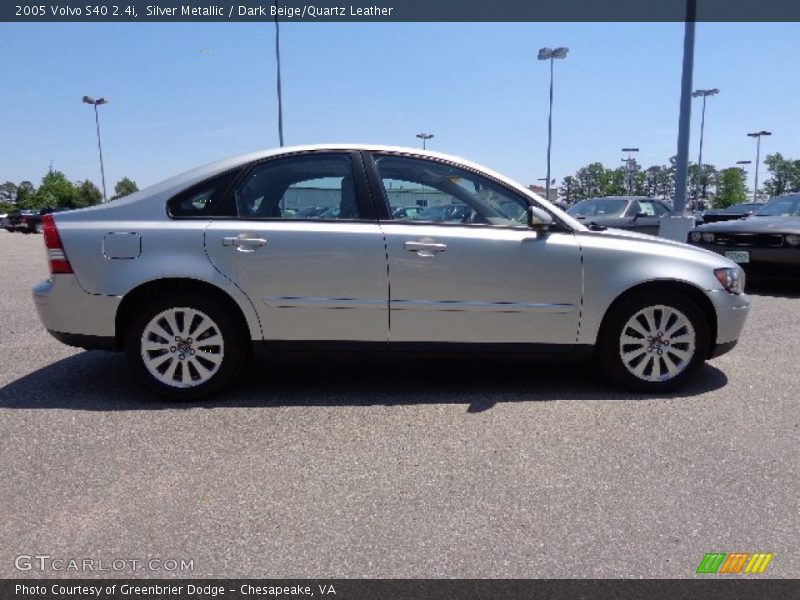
640	215
539	219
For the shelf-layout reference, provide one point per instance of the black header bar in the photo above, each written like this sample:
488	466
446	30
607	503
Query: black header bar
395	10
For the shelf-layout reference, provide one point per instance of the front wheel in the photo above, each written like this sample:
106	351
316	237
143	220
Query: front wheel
654	341
185	346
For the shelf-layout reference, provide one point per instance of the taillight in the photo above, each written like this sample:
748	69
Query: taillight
55	250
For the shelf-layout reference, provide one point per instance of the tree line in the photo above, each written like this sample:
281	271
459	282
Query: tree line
706	183
56	191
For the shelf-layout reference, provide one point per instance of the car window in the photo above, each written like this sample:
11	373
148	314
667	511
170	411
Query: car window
420	190
598	207
660	209
781	207
312	186
648	208
198	200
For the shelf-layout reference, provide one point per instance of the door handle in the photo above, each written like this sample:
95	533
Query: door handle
425	247
244	244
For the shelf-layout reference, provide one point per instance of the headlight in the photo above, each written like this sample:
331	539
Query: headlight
793	239
731	278
708	238
695	236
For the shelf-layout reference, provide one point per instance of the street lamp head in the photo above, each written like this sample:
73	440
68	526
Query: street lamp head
424	136
743	162
759	133
703	93
560	52
545	54
630	149
90	100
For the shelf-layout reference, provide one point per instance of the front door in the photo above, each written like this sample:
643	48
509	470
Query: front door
465	267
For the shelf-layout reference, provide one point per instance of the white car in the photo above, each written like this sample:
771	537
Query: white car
187	276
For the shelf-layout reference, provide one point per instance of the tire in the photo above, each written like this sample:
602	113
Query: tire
654	341
170	362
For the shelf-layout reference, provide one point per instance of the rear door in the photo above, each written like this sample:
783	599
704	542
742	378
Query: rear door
305	246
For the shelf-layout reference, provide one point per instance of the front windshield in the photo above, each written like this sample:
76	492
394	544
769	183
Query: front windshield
598	207
781	207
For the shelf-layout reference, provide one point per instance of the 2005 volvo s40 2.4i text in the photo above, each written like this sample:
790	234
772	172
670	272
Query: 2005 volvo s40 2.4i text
297	248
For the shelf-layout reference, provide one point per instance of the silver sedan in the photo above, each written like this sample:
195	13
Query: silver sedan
308	248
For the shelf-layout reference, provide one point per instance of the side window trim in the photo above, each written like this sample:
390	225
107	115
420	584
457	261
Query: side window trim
363	195
382	201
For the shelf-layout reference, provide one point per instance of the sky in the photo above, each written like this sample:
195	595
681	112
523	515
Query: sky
185	94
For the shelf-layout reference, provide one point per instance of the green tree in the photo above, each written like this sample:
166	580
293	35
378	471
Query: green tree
124	188
784	175
567	189
731	188
10	190
55	191
87	194
24	190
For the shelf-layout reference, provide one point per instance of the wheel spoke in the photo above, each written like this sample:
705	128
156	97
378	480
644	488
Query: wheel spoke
650	317
639	369
632	341
681	354
169	374
684	338
671	366
629	356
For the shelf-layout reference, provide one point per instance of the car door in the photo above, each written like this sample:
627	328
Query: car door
464	269
309	277
646	216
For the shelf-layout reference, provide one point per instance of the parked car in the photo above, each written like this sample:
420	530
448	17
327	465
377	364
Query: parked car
636	213
766	244
187	278
407	212
737	211
28	221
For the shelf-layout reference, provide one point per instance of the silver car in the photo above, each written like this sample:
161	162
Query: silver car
188	276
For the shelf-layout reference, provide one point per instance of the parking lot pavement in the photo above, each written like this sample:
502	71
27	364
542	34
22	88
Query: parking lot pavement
395	468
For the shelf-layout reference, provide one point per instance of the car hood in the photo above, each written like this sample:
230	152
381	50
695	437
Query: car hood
755	224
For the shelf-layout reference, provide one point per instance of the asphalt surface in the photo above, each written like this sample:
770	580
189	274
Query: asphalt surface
395	468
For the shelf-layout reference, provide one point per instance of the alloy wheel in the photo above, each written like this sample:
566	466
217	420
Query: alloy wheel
657	343
182	347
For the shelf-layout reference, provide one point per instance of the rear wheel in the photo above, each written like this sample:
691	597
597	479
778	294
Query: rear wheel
184	346
654	341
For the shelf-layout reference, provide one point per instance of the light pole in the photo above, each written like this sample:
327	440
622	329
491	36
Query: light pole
702	94
757	135
629	164
551	55
96	103
424	137
278	74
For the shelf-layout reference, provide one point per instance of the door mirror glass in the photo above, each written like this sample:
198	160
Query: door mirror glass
539	219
